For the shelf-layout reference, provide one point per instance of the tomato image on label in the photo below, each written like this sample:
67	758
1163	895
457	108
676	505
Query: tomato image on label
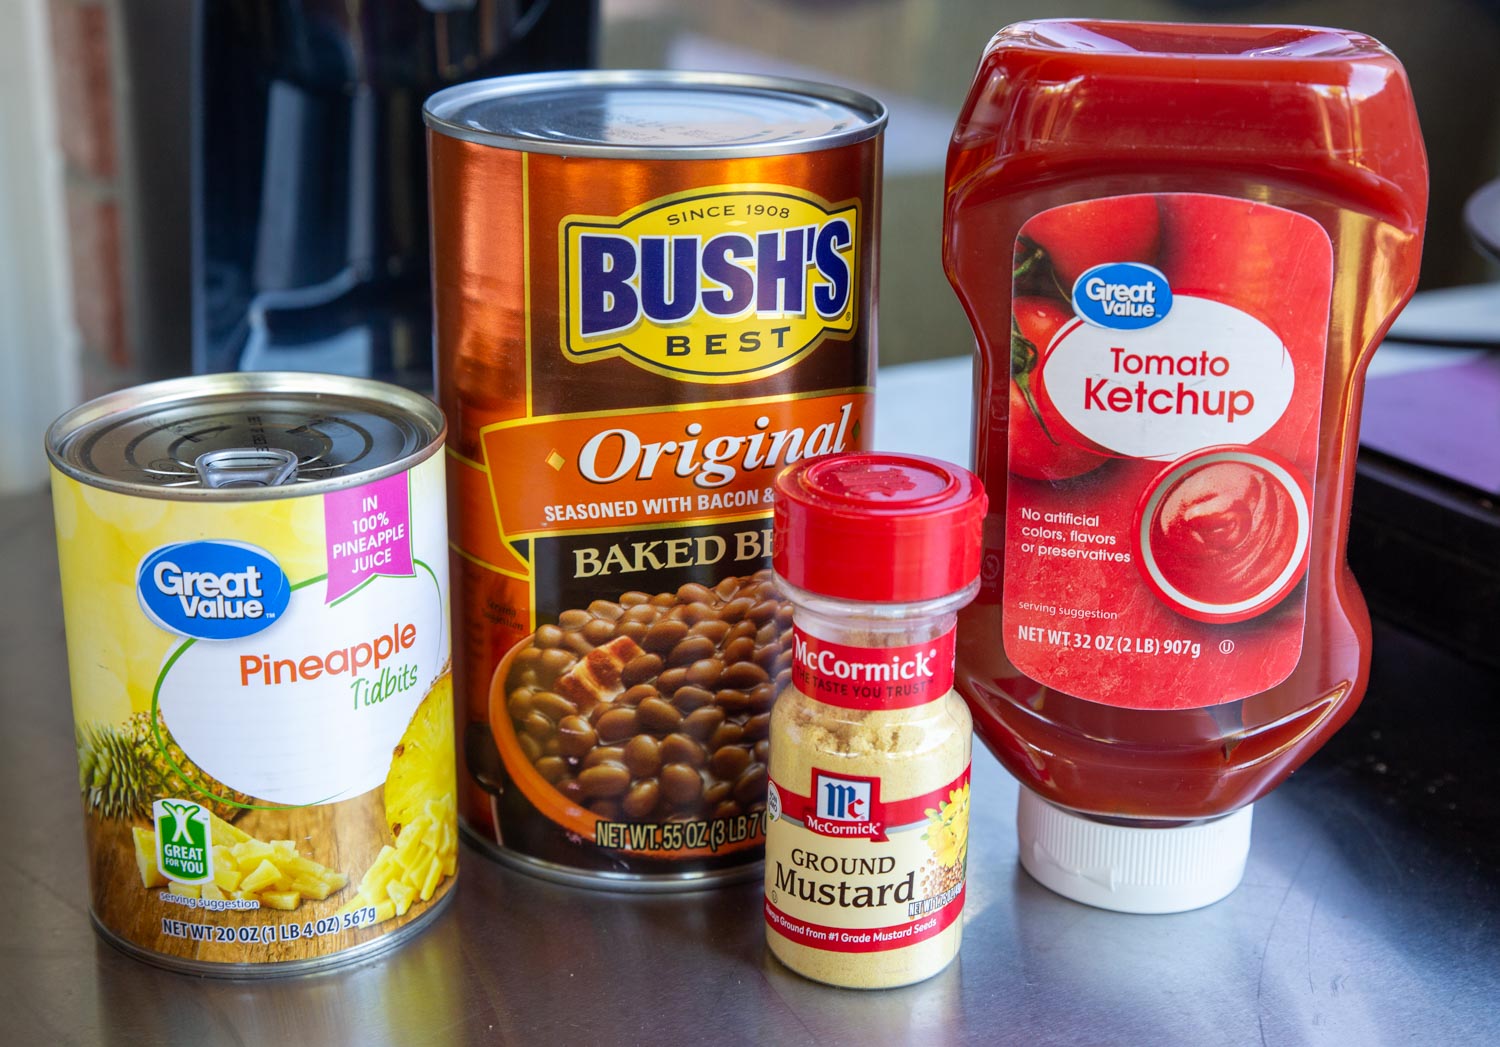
1039	447
1206	253
1166	388
1072	240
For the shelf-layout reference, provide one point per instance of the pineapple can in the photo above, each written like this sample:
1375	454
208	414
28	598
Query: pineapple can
255	589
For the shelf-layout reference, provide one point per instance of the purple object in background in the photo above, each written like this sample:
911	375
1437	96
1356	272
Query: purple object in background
1444	419
1431	404
1424	533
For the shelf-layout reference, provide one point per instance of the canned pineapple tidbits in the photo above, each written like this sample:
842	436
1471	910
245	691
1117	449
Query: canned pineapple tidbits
255	584
653	292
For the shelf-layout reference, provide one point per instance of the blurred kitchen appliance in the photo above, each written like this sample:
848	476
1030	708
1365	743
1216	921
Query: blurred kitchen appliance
309	177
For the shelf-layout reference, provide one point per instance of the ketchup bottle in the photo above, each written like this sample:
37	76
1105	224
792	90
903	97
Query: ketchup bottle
1178	246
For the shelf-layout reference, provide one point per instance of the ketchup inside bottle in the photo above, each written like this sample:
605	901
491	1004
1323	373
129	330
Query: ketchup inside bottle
1273	177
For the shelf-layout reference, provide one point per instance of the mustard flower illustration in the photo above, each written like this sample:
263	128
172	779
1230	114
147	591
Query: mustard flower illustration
947	832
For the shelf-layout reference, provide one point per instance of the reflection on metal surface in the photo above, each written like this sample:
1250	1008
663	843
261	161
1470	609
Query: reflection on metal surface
406	997
1366	914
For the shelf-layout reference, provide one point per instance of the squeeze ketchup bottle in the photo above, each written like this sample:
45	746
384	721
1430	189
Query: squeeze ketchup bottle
1178	246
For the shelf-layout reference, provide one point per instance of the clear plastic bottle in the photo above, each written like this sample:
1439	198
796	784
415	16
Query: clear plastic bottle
868	807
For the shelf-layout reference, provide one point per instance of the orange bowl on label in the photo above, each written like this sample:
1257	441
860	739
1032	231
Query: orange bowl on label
542	795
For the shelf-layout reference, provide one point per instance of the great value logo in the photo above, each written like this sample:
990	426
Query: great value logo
212	590
1122	296
723	284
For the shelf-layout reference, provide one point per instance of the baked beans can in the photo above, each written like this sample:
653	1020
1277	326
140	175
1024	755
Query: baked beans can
255	587
654	291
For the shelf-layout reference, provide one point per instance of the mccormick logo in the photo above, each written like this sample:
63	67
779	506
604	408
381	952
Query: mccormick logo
897	667
1122	296
212	590
871	677
845	807
716	285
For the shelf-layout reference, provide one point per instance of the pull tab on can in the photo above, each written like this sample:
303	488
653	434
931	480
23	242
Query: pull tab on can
246	467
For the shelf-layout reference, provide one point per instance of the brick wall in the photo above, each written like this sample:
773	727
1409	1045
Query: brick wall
85	83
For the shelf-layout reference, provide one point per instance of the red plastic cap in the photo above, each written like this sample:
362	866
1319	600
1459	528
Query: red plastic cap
883	528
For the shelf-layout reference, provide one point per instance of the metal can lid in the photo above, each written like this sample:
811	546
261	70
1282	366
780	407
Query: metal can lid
644	114
245	436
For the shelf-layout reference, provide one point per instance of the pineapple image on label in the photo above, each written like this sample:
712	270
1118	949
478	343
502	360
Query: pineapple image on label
268	873
421	811
123	769
422	763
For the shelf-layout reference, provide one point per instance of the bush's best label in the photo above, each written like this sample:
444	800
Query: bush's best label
648	467
715	285
654	338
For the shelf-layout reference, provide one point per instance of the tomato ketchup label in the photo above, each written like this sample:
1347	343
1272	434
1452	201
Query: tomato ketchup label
1167	363
872	677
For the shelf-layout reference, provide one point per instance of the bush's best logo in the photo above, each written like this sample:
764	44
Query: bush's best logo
723	284
212	590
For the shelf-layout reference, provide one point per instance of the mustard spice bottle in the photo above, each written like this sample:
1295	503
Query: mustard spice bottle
868	805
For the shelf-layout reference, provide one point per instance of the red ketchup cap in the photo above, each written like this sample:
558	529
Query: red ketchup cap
883	528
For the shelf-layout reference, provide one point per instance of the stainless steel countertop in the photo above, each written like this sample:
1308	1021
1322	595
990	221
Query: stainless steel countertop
1368	913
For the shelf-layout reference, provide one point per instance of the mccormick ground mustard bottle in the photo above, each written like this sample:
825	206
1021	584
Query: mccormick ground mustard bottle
868	804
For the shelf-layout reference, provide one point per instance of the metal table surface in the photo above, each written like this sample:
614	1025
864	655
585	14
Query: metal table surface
1369	912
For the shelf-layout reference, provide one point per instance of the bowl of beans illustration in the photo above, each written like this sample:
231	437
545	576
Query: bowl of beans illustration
649	709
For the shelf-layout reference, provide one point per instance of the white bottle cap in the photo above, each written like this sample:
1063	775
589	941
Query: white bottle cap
1132	869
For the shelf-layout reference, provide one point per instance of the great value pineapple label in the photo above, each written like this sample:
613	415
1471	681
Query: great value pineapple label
264	714
629	365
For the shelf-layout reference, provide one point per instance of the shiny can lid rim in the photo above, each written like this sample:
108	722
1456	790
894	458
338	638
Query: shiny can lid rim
68	430
440	109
